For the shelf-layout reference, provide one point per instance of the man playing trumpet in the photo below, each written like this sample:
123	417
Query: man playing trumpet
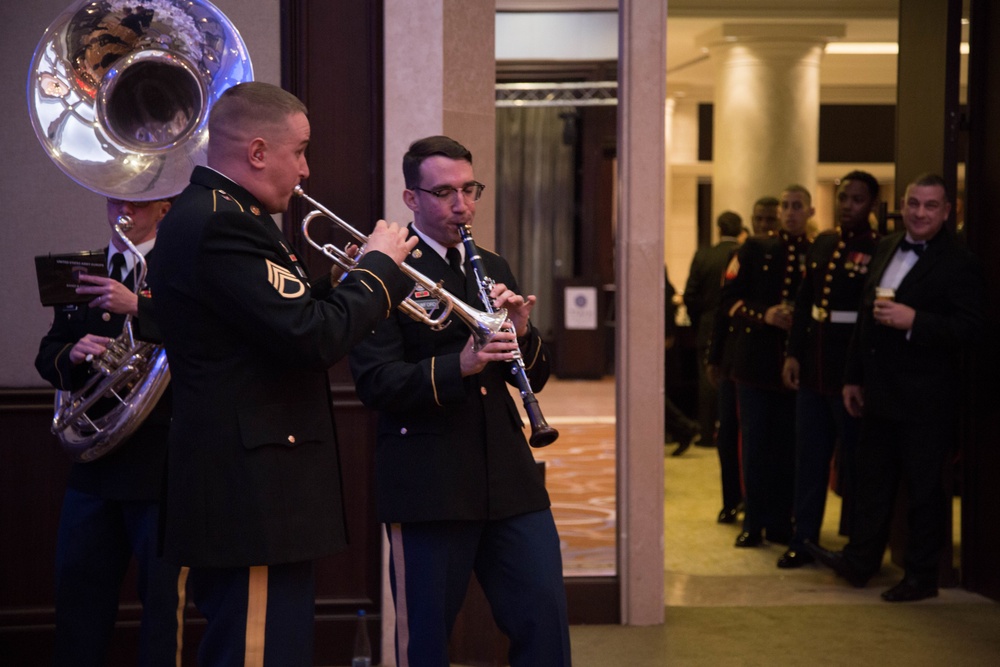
253	484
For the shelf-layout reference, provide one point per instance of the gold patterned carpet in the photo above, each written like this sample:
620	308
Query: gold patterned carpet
580	476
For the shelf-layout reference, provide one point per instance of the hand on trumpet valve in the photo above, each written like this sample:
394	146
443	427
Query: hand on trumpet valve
88	347
501	347
518	307
390	238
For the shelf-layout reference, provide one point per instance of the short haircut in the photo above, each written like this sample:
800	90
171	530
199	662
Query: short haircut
864	177
729	223
930	180
767	201
801	189
421	149
254	104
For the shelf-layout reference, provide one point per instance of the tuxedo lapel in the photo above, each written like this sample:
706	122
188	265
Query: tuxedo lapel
932	255
881	263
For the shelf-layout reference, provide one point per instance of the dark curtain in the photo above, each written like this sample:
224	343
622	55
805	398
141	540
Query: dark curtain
535	196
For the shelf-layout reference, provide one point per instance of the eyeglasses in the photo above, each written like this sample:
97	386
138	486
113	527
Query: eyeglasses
471	192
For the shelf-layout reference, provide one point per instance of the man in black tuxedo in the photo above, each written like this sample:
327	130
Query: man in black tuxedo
701	298
110	510
455	481
253	478
922	306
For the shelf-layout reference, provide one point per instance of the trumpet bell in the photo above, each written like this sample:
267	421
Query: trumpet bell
119	91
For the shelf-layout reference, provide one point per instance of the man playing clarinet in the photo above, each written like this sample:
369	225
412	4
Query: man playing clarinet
456	484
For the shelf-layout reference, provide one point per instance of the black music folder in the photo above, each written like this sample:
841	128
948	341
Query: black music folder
58	275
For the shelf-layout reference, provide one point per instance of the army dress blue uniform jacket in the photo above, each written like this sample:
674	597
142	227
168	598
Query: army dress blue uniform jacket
449	448
253	473
134	469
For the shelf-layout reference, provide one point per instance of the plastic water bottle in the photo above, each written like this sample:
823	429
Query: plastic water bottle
362	647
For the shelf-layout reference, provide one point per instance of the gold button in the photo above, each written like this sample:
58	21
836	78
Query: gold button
402	431
482	390
291	439
417	253
255	210
106	317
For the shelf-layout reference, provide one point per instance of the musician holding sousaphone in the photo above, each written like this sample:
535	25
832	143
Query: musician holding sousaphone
456	484
110	509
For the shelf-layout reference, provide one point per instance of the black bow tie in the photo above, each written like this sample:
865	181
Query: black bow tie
918	248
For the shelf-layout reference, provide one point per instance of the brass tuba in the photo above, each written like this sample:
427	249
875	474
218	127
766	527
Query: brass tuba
118	94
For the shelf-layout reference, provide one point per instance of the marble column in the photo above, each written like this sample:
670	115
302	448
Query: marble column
766	109
440	74
642	100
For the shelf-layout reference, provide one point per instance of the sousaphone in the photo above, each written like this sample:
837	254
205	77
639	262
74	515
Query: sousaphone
118	94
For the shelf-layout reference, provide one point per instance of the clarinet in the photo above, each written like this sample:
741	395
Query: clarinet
541	433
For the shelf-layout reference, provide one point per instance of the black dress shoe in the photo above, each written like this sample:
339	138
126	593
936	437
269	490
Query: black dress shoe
794	558
910	590
746	539
835	561
685	441
728	514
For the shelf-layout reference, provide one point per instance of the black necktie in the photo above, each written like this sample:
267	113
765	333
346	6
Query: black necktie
118	266
455	261
918	248
119	270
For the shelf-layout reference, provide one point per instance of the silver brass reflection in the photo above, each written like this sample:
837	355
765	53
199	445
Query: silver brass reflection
119	91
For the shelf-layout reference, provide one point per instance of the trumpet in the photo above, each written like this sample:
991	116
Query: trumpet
483	325
541	433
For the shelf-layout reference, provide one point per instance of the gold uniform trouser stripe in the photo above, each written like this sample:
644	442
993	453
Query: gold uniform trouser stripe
402	622
182	578
256	617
